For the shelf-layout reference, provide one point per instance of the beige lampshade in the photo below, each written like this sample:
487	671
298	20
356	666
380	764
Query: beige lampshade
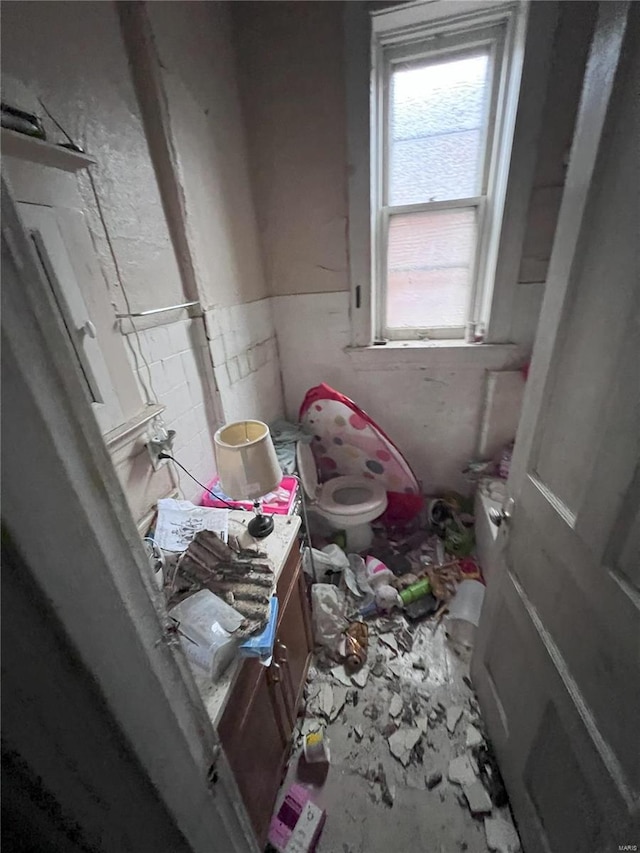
248	467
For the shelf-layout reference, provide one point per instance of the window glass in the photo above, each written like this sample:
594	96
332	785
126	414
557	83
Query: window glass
430	257
437	128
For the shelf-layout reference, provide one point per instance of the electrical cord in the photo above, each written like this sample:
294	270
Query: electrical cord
202	486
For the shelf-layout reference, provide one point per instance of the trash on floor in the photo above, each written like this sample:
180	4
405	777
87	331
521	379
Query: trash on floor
390	690
297	826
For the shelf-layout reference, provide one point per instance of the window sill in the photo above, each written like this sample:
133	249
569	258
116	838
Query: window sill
421	354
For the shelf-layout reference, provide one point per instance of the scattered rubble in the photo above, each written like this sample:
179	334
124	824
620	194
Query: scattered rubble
453	716
361	677
325	700
473	738
477	798
339	673
402	742
389	640
461	771
433	779
501	835
396	705
339	701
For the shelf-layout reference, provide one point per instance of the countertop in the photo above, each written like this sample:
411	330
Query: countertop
278	546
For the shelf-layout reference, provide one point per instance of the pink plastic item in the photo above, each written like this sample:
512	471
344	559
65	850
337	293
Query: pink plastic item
279	502
298	823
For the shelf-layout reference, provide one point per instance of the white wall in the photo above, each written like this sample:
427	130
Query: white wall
430	407
292	84
73	56
182	380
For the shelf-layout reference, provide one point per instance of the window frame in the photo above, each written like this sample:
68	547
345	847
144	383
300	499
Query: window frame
432	43
368	34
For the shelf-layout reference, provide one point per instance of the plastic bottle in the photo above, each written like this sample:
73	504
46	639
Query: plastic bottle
415	591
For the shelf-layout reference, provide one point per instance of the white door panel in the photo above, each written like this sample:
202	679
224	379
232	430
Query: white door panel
557	661
42	224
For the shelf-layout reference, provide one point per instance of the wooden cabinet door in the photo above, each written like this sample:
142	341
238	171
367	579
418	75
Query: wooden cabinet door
293	643
255	743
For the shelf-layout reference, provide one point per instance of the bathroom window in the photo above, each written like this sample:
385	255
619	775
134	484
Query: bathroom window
443	94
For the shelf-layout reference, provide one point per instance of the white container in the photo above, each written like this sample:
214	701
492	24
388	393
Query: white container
206	626
464	613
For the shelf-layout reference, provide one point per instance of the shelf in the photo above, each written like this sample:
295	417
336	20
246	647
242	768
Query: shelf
25	147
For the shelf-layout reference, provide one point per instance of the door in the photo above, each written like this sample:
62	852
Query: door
557	659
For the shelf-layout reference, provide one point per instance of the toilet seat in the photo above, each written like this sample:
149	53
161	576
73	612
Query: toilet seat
362	500
373	497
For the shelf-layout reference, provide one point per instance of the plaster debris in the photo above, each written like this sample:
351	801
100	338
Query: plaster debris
453	716
325	699
433	779
361	677
423	724
395	707
478	799
402	742
338	672
390	641
461	771
379	666
474	738
371	711
501	835
339	701
395	668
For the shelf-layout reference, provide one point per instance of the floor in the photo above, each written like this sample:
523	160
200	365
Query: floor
418	704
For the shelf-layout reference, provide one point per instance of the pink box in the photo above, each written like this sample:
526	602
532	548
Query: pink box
298	825
278	502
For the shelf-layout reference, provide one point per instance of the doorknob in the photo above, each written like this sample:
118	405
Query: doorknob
88	329
498	516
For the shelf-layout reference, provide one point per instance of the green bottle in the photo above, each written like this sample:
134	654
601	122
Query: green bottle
415	591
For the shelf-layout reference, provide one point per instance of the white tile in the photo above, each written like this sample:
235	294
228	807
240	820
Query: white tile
157	342
180	336
173	371
177	401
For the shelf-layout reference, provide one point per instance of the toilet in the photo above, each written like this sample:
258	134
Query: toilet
346	503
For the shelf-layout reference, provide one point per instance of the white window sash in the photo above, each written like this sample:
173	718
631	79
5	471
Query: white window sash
433	50
368	34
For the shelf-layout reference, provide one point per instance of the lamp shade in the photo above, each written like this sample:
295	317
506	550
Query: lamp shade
246	459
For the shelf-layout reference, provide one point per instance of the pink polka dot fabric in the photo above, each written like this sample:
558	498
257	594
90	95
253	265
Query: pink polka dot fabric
346	441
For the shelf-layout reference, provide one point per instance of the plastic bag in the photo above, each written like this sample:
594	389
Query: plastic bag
327	604
330	560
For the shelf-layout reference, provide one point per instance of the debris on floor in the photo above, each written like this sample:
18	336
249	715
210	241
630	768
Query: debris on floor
501	835
461	771
393	696
402	742
453	716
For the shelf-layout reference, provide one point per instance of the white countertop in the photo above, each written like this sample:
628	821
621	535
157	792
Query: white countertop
278	546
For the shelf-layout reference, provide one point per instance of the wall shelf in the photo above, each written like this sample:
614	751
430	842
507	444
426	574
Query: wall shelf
25	147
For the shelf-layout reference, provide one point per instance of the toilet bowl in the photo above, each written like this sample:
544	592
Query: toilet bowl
346	503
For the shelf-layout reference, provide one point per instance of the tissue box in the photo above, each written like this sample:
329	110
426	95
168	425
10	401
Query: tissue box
298	825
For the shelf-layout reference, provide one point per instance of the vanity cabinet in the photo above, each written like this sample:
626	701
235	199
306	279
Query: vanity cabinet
258	720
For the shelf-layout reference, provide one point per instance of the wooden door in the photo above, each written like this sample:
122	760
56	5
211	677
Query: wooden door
557	659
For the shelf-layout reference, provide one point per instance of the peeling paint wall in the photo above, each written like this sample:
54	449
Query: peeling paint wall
291	72
73	56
